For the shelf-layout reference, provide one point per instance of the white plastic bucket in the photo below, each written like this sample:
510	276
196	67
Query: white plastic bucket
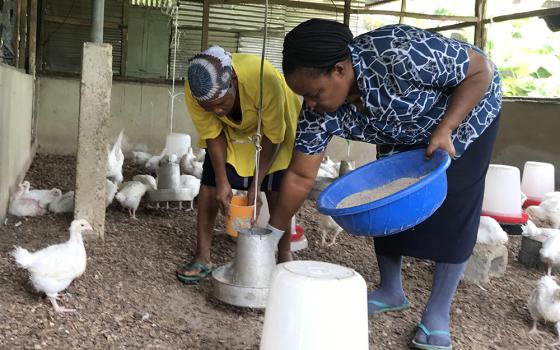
502	193
315	305
538	180
178	144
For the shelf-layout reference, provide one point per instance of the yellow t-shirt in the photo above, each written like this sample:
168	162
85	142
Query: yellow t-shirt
281	109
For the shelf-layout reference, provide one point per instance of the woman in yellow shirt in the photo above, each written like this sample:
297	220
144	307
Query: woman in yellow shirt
222	96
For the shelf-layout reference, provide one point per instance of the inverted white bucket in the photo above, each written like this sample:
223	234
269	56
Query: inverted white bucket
315	305
538	180
502	193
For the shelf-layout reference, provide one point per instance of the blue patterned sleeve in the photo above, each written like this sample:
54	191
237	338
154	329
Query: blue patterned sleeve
311	136
425	58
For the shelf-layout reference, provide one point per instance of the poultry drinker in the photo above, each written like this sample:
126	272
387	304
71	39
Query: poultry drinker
169	185
245	281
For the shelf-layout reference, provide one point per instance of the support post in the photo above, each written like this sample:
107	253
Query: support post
347	8
205	25
33	37
97	20
480	27
95	102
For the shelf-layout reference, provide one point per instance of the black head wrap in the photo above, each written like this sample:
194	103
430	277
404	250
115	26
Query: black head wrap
316	43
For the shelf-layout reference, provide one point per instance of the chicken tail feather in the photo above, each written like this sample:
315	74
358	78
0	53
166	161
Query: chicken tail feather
23	257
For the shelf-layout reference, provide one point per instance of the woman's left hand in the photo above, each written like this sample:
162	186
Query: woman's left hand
441	138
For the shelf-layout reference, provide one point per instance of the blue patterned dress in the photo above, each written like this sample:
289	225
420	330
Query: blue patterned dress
406	77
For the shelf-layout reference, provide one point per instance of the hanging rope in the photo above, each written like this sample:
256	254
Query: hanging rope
258	136
175	14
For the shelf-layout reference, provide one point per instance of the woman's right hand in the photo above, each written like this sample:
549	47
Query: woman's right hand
223	196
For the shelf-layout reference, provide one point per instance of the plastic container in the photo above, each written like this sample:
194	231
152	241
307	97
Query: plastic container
178	144
240	215
394	213
537	180
315	305
502	195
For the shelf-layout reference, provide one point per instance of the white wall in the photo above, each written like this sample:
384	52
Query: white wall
141	109
16	107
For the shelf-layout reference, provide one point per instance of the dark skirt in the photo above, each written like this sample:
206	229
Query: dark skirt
449	235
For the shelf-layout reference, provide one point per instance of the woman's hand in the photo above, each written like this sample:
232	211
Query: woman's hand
223	197
251	193
441	138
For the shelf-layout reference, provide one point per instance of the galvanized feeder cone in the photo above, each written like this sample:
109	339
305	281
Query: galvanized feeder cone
245	281
169	184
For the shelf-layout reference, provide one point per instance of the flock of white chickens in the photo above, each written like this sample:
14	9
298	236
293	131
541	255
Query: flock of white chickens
53	268
36	202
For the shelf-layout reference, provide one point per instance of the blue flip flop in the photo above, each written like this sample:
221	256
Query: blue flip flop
382	307
428	333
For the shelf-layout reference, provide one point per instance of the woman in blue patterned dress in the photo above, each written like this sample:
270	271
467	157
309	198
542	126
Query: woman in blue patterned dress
400	88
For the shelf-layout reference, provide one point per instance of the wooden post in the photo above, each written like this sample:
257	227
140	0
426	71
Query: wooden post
480	27
205	25
33	37
347	8
22	34
403	9
124	37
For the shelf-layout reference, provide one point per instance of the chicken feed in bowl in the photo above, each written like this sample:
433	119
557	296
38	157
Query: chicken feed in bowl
377	193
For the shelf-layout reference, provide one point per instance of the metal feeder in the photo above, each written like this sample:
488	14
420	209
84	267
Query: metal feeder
169	185
245	281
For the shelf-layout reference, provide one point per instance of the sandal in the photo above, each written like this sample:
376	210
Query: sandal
428	333
205	270
382	307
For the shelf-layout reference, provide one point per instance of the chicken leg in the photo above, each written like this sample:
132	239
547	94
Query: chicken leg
58	308
549	269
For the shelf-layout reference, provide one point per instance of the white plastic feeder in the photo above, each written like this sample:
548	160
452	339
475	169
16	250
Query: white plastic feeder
502	195
315	305
538	180
177	143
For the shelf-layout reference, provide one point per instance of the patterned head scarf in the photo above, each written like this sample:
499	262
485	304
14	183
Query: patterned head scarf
209	74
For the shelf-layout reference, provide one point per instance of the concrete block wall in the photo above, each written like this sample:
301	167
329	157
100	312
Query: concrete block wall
16	151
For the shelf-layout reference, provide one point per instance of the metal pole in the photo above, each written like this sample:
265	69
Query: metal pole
97	21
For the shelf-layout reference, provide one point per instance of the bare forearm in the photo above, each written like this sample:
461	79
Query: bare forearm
469	93
217	149
296	184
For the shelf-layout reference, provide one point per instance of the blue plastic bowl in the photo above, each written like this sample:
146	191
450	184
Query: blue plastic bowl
397	212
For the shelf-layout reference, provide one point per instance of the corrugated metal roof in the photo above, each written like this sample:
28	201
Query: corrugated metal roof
246	22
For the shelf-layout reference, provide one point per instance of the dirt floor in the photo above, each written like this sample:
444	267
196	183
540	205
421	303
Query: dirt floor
129	296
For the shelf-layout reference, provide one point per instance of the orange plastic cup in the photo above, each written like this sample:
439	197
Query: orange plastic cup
240	215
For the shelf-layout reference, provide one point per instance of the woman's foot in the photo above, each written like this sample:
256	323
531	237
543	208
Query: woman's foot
381	301
434	338
193	271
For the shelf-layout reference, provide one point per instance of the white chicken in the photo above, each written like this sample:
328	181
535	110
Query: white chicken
328	168
147	180
53	268
141	158
200	155
328	226
550	252
544	303
115	160
190	165
547	214
152	165
531	230
63	204
551	195
193	185
490	232
43	197
130	194
110	191
20	206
